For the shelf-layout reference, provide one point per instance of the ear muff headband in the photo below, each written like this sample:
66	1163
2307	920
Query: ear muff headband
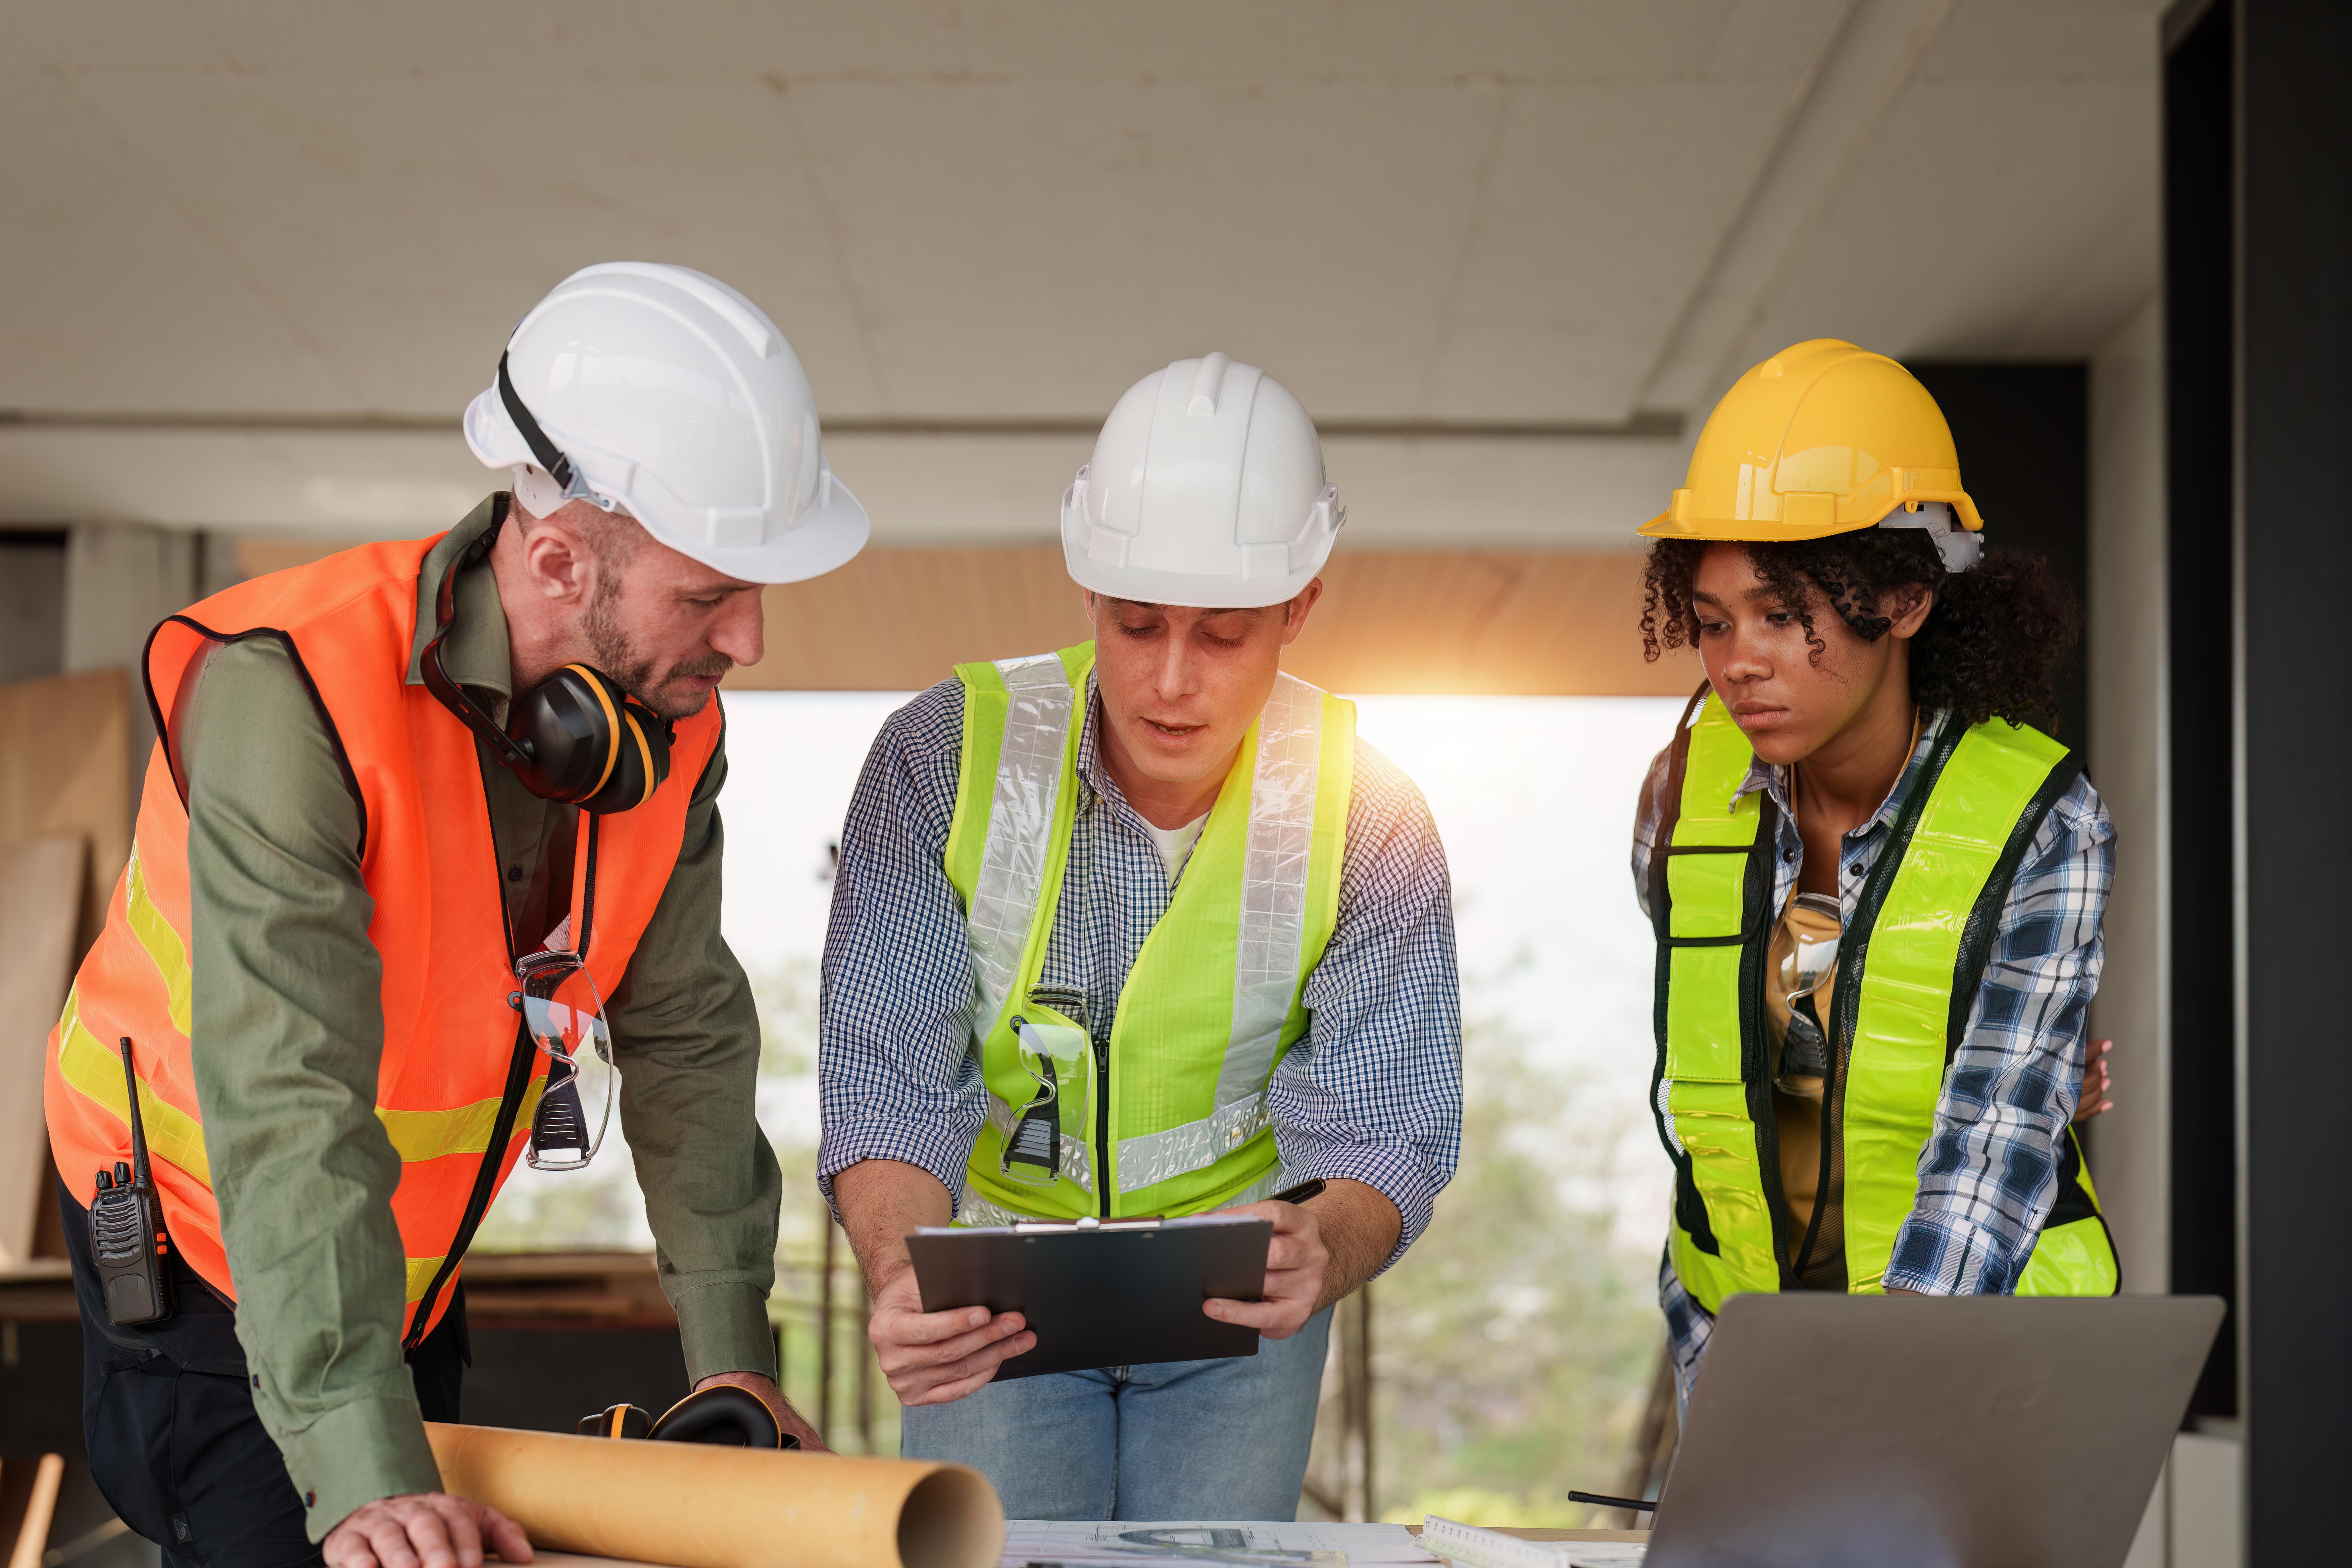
595	683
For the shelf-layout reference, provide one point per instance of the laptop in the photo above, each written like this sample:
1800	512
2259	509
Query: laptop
1942	1432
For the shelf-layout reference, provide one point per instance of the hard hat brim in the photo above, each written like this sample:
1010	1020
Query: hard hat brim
821	541
1751	531
1194	591
1742	530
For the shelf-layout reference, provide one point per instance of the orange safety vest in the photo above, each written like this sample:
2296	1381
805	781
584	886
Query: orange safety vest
458	1075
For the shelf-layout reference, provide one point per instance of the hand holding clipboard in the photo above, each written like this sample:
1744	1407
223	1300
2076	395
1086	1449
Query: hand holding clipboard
1128	1292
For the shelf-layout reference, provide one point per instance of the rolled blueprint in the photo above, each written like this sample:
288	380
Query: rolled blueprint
697	1505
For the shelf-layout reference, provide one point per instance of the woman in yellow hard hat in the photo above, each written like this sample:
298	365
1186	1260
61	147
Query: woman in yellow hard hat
1877	893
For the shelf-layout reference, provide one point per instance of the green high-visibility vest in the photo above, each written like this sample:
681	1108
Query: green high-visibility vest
1174	1117
1909	966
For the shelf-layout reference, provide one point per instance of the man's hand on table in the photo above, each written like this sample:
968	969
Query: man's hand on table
422	1530
778	1405
933	1358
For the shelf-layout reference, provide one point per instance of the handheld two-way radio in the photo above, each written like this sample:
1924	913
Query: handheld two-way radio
126	1229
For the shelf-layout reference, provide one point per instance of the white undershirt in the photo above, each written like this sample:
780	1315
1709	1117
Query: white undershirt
1175	843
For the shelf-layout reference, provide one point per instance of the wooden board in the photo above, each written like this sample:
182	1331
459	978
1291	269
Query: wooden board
1454	622
1463	622
41	911
65	767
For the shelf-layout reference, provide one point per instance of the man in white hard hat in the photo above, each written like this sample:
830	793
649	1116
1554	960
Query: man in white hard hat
429	855
1141	927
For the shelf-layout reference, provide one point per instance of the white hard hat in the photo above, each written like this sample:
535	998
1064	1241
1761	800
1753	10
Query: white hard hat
660	392
1206	490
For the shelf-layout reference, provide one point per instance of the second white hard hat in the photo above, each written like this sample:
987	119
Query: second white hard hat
1206	490
663	392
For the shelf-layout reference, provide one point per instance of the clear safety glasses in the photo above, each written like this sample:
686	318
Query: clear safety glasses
1805	1047
1055	1054
566	1020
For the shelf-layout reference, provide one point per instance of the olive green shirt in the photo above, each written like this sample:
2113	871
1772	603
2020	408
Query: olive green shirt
288	1031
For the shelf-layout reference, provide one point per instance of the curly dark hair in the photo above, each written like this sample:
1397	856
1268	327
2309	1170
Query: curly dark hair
1997	633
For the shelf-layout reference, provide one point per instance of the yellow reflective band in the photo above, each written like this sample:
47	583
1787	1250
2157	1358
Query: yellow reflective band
429	1134
96	1073
164	948
421	1271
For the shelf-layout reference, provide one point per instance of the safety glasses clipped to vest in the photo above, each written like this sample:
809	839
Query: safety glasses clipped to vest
1056	1053
566	1020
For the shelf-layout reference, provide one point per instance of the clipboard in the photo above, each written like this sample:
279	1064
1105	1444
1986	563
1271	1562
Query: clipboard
1101	1293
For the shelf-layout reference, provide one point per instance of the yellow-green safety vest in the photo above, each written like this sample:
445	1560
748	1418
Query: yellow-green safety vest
1174	1121
1909	966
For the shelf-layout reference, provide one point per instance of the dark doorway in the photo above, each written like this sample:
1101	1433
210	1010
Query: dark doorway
2025	437
2198	288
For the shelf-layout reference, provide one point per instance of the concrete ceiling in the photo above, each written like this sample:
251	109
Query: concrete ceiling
260	253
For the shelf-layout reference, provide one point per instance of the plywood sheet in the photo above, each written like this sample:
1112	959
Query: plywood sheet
1434	621
65	768
1460	622
40	908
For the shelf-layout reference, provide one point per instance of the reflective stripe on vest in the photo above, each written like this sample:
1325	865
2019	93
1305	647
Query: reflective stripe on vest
1909	965
1215	989
454	1060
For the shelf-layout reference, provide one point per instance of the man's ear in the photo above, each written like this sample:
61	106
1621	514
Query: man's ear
1295	612
557	562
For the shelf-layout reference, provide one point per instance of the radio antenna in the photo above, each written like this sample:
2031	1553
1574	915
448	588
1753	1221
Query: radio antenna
138	1132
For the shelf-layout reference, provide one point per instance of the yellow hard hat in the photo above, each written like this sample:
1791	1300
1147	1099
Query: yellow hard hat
1822	439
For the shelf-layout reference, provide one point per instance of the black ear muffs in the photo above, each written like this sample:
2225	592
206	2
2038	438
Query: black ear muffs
723	1413
576	737
588	743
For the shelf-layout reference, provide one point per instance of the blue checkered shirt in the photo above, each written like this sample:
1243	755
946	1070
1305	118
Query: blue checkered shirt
1373	1092
1989	1172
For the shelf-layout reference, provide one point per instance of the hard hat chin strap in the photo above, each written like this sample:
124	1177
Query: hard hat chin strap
1957	547
551	456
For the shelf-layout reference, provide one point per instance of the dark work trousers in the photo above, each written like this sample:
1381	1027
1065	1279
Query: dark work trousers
174	1443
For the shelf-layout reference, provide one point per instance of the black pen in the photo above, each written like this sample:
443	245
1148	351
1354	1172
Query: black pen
1596	1499
1299	1194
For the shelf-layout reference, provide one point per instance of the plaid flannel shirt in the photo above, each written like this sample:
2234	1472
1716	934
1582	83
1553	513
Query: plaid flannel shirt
1373	1092
1989	1172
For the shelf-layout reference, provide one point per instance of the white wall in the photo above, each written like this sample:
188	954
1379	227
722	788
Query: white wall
2128	742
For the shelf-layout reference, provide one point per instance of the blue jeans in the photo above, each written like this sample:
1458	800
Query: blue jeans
1189	1440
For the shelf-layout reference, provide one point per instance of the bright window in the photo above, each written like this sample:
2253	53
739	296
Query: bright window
1513	1346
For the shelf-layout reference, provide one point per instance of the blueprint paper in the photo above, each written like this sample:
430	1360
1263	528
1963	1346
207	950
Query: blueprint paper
1136	1544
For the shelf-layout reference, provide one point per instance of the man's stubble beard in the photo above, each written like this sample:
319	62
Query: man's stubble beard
618	657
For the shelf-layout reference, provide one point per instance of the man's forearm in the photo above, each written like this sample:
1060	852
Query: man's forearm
880	1202
1360	1227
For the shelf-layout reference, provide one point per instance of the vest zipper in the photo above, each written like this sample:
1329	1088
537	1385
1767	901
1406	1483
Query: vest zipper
1102	1127
1754	1055
1831	1131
